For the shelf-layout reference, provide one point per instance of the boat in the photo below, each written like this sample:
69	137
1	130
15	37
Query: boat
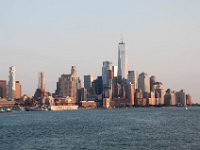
186	108
10	110
64	107
2	110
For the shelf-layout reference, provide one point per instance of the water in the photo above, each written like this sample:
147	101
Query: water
132	128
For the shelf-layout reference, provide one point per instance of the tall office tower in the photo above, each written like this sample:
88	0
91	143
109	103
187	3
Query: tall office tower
115	71
144	83
68	85
188	99
170	98
11	83
130	95
122	62
107	74
18	90
41	81
107	77
152	81
97	90
181	98
88	79
159	89
133	78
41	94
3	89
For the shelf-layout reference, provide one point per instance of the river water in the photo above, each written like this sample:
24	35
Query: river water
114	129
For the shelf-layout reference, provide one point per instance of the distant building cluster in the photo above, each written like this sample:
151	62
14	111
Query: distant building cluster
11	90
118	87
115	87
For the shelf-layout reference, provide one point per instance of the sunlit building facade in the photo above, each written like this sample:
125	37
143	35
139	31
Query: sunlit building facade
122	61
11	83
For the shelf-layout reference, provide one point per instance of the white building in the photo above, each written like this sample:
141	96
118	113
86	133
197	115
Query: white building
122	61
159	90
11	83
115	71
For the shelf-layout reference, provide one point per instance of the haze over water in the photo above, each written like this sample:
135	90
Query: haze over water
115	129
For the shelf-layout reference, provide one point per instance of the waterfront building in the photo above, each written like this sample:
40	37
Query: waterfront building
88	104
68	85
106	103
144	83
122	62
88	79
170	98
97	90
152	99
3	88
188	99
159	89
82	95
18	90
130	94
133	78
11	83
139	99
180	98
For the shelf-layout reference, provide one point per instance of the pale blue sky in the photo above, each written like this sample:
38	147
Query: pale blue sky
162	37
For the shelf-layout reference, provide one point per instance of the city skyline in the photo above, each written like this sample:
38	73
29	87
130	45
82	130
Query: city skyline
34	40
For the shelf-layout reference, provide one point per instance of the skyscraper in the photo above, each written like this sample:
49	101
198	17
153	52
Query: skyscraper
88	79
11	83
107	74
133	78
41	94
115	71
181	98
122	61
152	81
41	81
68	85
130	95
170	98
3	89
159	90
18	90
144	83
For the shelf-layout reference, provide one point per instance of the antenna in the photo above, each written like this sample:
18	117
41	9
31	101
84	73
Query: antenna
121	37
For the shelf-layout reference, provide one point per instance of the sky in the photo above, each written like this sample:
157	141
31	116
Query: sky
162	39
